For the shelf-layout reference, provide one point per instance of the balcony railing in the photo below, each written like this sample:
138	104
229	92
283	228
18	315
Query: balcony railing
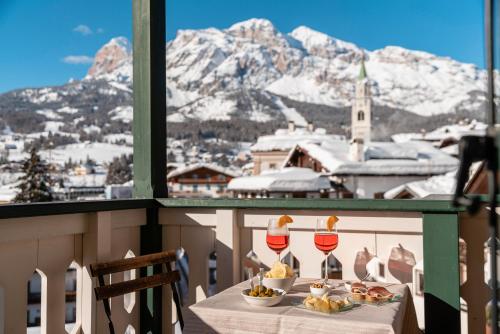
406	238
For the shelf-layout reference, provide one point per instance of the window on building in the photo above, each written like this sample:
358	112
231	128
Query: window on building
361	115
195	188
272	166
208	186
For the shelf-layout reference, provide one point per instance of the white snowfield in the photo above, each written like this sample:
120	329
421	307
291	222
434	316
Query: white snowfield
100	152
123	113
284	140
89	180
381	158
289	179
207	67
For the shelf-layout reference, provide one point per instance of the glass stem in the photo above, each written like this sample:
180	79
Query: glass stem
326	268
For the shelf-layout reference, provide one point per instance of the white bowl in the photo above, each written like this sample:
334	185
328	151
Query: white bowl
279	283
319	292
263	301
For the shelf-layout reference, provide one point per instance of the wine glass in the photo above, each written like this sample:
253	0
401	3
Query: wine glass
277	237
326	239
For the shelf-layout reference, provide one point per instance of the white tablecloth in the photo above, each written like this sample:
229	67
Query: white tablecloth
227	312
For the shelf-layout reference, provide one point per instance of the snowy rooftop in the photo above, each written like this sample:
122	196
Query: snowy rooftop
284	140
436	185
381	158
284	180
455	131
189	168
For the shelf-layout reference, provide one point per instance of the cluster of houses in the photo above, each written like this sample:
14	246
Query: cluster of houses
303	162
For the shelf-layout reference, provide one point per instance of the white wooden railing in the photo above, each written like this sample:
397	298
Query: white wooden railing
49	244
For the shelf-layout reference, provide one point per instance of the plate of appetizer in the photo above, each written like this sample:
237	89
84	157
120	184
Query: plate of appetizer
326	304
375	295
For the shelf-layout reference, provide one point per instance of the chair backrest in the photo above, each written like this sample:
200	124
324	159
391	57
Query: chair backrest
104	292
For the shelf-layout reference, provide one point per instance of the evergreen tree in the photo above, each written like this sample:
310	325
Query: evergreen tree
119	170
35	184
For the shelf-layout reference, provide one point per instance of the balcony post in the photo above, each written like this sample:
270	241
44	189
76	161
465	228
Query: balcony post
227	248
441	273
149	127
96	248
150	104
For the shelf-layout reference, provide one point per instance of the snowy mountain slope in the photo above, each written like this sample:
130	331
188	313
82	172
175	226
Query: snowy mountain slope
251	72
304	65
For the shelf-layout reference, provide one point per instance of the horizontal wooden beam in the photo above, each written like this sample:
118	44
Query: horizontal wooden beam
317	204
63	208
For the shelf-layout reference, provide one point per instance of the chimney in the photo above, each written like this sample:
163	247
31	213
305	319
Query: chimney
291	126
310	126
356	150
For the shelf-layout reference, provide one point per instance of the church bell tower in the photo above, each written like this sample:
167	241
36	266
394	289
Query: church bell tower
361	108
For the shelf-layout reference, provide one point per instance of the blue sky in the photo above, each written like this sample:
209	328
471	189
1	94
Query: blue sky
38	36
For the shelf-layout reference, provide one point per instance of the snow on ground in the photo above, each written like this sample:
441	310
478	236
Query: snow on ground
67	110
120	86
91	128
305	90
100	152
176	118
215	107
90	180
78	120
123	113
49	113
291	114
112	138
8	186
7	193
53	126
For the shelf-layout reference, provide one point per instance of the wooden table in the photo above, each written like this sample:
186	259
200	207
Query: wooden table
227	312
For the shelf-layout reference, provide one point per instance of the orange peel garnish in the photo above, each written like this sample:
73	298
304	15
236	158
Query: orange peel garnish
330	223
284	220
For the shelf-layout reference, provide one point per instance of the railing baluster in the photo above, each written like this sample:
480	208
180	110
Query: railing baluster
54	257
17	263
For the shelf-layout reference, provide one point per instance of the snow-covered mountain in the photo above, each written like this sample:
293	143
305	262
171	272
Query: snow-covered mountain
212	74
253	74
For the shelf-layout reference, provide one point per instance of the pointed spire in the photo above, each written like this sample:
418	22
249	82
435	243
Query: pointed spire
362	71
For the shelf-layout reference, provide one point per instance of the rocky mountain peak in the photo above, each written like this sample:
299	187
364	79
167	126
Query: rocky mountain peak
110	56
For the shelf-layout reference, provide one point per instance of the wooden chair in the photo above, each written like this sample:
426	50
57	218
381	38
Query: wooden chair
104	292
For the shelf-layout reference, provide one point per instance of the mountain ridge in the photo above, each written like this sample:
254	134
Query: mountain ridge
253	72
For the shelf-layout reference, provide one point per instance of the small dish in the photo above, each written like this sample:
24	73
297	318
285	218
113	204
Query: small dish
353	284
263	301
279	283
319	291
